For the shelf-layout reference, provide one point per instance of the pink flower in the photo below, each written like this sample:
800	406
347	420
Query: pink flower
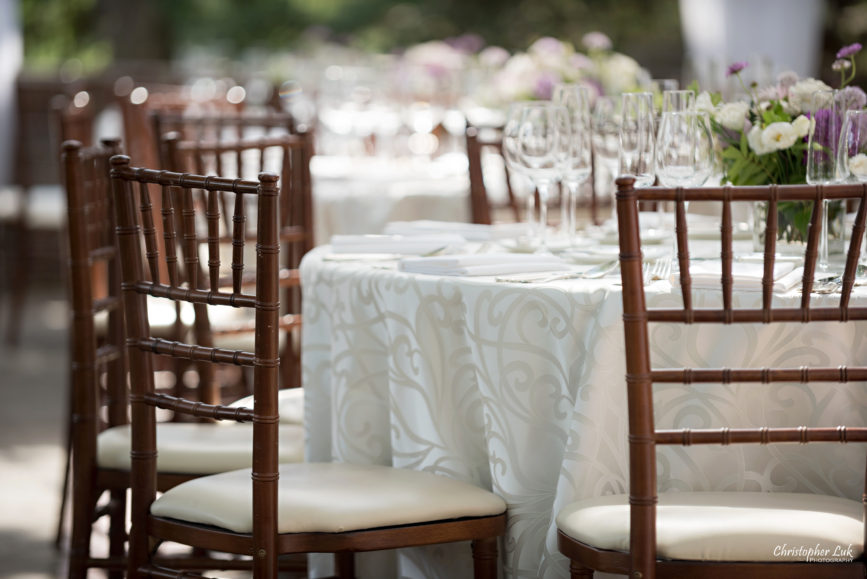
736	67
850	50
596	41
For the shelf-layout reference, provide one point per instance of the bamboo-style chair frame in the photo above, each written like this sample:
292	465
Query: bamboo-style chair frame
641	561
136	235
296	216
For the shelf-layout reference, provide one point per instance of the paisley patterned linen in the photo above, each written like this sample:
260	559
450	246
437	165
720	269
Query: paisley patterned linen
520	389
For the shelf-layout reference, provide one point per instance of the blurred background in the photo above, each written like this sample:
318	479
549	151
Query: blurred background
300	56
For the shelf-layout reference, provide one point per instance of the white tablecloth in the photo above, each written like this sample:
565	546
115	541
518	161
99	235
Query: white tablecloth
363	194
520	389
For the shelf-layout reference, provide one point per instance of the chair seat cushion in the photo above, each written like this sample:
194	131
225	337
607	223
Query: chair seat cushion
198	448
727	526
290	405
329	498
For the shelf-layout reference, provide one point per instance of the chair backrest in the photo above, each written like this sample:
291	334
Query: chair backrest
644	435
94	280
136	232
289	156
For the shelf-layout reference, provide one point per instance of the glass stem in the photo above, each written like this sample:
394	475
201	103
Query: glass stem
571	210
543	188
823	238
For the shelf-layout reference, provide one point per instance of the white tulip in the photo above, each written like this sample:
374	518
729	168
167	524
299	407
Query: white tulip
858	166
803	125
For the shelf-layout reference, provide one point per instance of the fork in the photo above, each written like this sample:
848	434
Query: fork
657	269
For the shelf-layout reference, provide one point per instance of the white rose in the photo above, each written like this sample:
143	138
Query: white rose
858	166
754	138
703	104
801	94
778	136
733	115
803	125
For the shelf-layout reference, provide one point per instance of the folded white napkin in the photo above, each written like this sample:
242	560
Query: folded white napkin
745	275
482	264
470	231
397	244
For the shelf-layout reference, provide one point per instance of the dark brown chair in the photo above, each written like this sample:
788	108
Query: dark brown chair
479	142
100	431
49	112
289	156
266	511
742	543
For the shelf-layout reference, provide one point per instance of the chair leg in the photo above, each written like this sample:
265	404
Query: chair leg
83	512
61	514
344	565
578	571
117	529
485	558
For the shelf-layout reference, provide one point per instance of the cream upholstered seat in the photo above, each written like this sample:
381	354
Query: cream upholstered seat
197	448
726	526
290	404
329	498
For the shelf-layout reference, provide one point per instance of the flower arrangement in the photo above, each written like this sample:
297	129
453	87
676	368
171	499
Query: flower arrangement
532	74
765	140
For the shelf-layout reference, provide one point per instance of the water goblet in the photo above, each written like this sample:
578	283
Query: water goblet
543	134
576	155
637	138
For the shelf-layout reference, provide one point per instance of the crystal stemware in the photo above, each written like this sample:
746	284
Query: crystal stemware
542	135
575	165
637	138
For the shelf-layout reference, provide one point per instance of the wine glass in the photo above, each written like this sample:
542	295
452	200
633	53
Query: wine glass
514	165
576	160
684	149
543	133
826	110
606	145
637	138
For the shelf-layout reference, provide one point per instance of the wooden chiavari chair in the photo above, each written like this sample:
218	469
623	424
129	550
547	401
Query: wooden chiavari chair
479	142
637	534
100	431
289	155
267	510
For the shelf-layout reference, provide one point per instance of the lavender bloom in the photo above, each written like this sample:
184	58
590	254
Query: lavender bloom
850	50
852	98
545	86
826	132
736	67
466	43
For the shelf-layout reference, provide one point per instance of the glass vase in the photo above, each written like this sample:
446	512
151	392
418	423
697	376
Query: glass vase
793	219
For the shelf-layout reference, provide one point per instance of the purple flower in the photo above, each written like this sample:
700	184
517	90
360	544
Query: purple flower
545	85
852	98
850	50
736	67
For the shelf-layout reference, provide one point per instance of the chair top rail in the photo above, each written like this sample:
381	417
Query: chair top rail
801	374
121	169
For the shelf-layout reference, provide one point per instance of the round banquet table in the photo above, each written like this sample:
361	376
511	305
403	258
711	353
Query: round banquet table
354	195
519	388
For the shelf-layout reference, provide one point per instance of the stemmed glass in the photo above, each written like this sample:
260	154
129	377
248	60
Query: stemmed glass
827	111
513	162
852	149
606	144
542	135
684	149
637	138
576	155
